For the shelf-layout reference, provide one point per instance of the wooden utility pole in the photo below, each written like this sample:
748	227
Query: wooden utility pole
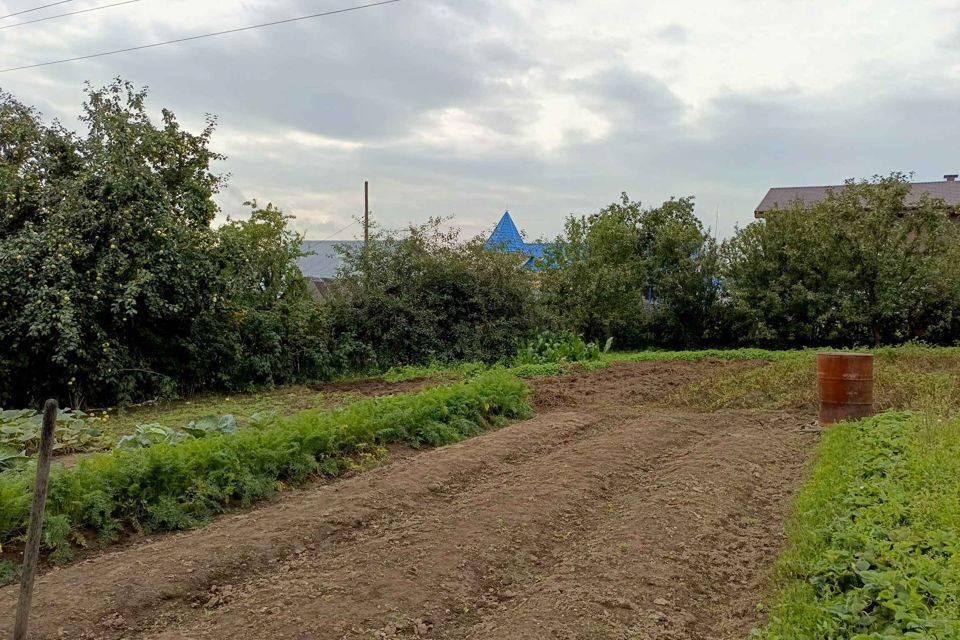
31	555
366	214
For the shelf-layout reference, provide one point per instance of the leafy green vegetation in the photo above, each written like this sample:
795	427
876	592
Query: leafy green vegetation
559	346
20	434
282	401
423	297
8	572
874	546
860	267
147	435
165	487
114	285
434	371
643	275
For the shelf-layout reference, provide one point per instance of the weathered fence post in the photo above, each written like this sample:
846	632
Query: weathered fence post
31	555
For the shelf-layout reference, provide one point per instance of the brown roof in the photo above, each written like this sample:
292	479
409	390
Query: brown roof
783	197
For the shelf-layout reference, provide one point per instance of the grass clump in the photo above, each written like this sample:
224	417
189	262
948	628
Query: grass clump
874	546
168	487
437	371
8	572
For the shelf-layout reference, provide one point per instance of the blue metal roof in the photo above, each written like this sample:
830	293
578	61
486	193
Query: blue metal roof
506	238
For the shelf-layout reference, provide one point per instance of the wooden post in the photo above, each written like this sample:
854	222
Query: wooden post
366	214
31	555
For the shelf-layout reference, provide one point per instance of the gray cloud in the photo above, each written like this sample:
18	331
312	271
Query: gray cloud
674	34
376	80
635	101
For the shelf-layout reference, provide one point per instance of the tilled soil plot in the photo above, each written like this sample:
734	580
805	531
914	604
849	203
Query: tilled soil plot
601	518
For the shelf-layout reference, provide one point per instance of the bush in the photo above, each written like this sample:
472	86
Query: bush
426	298
860	267
166	486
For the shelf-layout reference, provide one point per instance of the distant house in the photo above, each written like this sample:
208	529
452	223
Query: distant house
320	268
506	238
785	197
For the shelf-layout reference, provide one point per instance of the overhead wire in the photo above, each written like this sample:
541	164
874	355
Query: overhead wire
198	37
64	15
338	232
43	6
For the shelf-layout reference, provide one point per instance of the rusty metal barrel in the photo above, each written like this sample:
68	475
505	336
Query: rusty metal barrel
845	384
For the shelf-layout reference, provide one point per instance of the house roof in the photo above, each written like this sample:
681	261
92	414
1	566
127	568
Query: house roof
505	236
784	197
324	261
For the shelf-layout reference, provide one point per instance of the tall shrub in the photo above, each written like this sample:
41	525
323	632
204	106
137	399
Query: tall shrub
104	245
420	296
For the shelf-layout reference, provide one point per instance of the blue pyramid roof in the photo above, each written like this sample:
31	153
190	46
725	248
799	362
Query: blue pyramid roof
506	237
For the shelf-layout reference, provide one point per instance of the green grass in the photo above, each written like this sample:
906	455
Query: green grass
435	372
909	377
874	547
702	354
169	487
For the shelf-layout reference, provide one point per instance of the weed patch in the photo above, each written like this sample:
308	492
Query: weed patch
875	541
8	572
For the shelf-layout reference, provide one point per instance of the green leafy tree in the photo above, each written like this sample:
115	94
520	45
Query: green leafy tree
889	258
265	328
779	282
643	276
104	246
681	265
866	265
114	285
594	274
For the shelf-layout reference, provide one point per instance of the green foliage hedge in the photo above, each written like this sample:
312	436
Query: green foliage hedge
875	544
168	487
424	297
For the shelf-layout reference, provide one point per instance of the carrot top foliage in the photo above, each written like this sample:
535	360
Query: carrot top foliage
169	487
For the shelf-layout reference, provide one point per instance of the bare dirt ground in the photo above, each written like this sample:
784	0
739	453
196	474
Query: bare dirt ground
603	517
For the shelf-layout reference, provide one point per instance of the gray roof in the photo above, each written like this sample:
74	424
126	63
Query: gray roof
784	197
325	261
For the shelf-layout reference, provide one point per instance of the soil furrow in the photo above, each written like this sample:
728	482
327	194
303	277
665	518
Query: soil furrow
601	518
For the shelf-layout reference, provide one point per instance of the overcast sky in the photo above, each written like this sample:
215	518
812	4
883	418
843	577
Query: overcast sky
468	107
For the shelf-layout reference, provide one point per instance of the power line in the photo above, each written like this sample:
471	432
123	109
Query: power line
204	35
72	13
339	231
43	6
